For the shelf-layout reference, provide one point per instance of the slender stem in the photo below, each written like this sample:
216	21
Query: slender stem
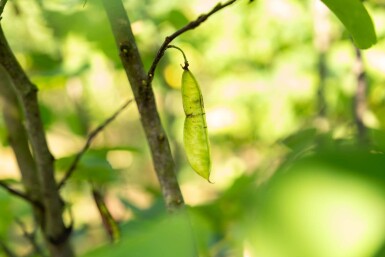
186	64
145	100
19	194
6	250
31	237
360	97
190	26
110	224
321	43
54	229
90	138
322	73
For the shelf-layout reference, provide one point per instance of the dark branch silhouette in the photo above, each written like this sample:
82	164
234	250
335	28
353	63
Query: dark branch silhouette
360	97
19	194
190	26
7	251
31	238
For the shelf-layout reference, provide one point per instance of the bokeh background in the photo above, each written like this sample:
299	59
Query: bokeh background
278	80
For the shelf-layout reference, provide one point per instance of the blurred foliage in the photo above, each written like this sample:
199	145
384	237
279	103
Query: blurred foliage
288	179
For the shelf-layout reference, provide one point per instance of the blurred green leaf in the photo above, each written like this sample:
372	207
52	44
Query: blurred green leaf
96	168
47	115
170	236
3	133
6	212
77	123
378	138
177	18
300	139
91	167
356	20
327	204
145	214
82	23
45	64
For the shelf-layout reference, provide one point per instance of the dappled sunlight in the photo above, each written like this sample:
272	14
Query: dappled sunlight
220	119
195	196
120	159
8	164
285	10
290	174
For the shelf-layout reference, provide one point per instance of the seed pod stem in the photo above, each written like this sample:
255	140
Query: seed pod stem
185	66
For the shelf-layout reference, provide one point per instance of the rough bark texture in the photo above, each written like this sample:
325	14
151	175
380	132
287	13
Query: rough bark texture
56	233
18	140
144	96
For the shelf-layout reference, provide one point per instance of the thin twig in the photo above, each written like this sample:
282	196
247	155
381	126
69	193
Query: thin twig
186	64
322	73
191	25
18	193
31	237
110	224
90	138
360	97
6	250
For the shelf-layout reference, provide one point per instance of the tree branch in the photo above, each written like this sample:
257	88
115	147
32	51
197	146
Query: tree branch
110	224
190	26
145	100
6	250
31	237
18	140
17	193
322	74
360	97
53	228
90	138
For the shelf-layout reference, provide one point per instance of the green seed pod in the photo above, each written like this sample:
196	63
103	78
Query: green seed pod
191	95
195	136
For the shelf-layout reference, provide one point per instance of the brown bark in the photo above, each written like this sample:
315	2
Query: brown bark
144	96
53	227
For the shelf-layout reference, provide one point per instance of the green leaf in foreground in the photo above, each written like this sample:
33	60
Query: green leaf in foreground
167	237
356	20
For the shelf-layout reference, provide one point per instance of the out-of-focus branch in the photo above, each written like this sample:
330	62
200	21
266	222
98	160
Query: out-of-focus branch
8	252
18	140
360	97
322	73
321	43
90	138
56	233
20	195
110	224
145	100
31	237
191	25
